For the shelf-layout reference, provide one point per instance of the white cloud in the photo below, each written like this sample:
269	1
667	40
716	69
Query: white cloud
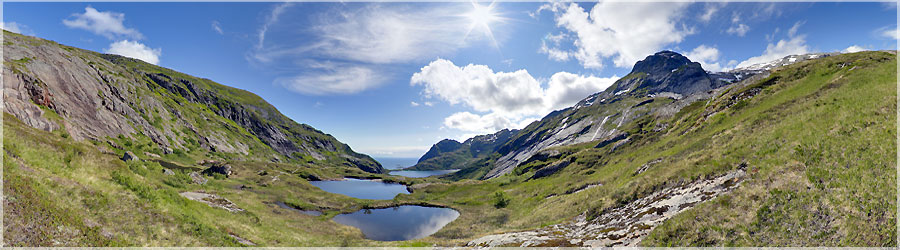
625	32
793	30
709	10
507	99
366	39
108	24
888	32
466	121
706	56
271	19
372	34
554	53
217	27
794	45
853	49
478	87
332	78
739	29
429	104
16	28
135	50
414	104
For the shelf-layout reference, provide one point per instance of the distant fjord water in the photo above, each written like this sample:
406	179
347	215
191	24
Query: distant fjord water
396	163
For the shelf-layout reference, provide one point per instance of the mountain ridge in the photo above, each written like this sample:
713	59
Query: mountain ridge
119	100
665	74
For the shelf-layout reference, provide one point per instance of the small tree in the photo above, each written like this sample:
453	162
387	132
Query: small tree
501	200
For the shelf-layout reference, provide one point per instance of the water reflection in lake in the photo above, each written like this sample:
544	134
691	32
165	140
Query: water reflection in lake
363	189
398	223
422	173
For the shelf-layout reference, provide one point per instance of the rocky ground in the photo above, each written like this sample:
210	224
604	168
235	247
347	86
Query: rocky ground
622	226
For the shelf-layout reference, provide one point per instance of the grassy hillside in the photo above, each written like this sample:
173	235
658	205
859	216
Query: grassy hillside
818	139
127	102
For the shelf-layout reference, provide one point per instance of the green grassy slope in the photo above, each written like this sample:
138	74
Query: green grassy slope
819	140
60	192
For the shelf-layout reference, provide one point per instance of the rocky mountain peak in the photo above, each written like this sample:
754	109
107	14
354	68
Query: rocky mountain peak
666	71
662	62
443	146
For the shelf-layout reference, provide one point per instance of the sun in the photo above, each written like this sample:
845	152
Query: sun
481	17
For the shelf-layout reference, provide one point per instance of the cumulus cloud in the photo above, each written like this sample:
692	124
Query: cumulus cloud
554	53
853	49
624	32
414	104
738	29
135	50
506	99
108	24
706	56
793	45
467	121
332	78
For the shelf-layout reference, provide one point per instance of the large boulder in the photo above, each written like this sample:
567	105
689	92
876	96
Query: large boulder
197	178
129	156
223	169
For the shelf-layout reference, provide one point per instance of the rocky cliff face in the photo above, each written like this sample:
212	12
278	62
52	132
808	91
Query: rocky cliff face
111	99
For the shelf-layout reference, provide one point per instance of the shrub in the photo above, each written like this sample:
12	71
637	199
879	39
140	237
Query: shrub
501	200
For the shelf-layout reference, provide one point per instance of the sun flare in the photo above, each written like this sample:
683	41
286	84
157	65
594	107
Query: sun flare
481	17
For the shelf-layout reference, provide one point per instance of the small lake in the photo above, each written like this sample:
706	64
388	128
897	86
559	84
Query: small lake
422	173
398	223
363	189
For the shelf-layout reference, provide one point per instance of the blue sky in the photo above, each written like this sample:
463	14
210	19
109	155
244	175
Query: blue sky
390	79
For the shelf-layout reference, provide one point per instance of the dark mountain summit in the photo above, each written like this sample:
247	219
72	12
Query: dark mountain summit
450	154
443	146
667	71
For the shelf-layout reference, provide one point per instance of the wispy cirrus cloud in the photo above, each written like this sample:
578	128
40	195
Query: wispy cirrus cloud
364	39
794	44
217	27
332	78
